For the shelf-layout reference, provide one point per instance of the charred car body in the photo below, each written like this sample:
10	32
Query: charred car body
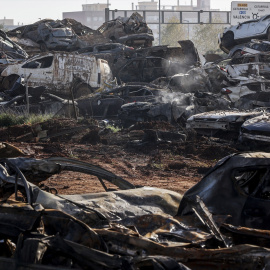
132	31
256	131
50	35
241	178
147	69
216	122
10	49
58	71
135	227
171	107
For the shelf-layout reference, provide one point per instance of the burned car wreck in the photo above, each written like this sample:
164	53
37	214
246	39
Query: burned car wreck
243	178
227	122
134	227
58	71
49	35
256	131
131	31
10	49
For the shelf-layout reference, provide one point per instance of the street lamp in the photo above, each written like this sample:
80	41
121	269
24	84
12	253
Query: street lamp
188	26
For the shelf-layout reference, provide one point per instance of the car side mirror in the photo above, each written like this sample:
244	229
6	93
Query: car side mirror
238	26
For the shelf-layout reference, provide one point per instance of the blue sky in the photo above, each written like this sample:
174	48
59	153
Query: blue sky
29	11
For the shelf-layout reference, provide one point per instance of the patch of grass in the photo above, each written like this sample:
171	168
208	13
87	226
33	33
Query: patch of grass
113	128
7	120
38	118
13	119
158	166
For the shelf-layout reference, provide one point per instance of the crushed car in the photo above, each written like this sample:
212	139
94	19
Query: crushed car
250	87
147	69
256	131
131	31
254	46
216	123
193	80
134	227
10	49
59	71
108	102
50	35
186	53
170	107
239	178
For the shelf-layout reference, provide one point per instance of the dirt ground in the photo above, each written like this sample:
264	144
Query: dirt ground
173	165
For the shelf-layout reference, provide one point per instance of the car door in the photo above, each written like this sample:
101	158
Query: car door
242	30
261	26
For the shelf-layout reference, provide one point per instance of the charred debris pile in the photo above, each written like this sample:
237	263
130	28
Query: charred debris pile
132	81
113	77
134	227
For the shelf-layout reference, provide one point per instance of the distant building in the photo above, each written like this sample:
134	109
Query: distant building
153	5
7	23
92	15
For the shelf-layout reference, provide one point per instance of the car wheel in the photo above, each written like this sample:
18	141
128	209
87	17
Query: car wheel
82	90
228	40
9	81
43	47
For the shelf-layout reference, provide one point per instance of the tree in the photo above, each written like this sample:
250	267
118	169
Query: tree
173	32
205	37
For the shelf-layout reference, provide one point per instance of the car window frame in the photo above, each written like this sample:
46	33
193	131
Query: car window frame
259	184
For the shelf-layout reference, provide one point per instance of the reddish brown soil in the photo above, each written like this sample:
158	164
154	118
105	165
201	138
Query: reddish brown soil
171	165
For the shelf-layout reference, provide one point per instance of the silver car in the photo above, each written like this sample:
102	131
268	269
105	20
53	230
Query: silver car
244	32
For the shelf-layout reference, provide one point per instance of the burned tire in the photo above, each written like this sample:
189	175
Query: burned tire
43	47
82	90
8	81
228	40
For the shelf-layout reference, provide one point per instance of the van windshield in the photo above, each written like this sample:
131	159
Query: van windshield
62	32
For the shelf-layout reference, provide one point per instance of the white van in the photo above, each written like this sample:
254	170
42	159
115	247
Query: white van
59	72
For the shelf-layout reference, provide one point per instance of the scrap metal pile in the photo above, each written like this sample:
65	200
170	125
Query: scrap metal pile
135	227
220	223
131	81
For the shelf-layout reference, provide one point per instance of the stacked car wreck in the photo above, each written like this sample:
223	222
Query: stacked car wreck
115	75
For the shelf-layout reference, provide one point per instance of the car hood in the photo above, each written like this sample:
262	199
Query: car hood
259	123
223	115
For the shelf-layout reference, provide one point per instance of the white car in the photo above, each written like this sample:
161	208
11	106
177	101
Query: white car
59	71
245	31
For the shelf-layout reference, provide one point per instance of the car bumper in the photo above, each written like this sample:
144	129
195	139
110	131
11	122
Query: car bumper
208	125
252	137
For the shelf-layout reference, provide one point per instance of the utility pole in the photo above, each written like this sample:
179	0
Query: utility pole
159	28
